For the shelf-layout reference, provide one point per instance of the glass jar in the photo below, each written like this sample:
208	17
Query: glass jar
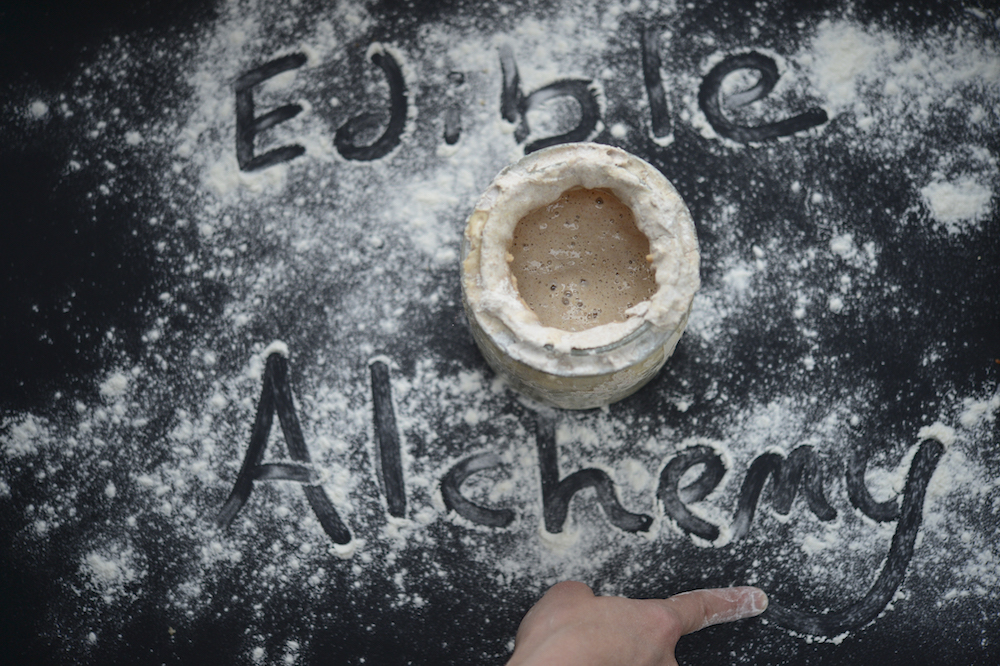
599	365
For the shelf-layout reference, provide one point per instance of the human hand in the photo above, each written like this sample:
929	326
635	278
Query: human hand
569	625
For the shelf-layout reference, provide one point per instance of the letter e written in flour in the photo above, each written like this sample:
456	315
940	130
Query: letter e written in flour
675	498
714	102
248	126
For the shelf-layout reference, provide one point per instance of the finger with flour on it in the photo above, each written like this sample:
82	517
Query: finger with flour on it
698	609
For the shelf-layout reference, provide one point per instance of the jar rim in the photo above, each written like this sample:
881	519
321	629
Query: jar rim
537	180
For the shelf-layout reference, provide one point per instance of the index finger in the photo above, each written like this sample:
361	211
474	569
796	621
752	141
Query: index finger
702	608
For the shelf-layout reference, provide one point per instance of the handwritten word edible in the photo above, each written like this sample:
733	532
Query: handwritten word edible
515	105
801	470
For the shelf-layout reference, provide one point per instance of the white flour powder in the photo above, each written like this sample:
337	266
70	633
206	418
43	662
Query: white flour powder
344	260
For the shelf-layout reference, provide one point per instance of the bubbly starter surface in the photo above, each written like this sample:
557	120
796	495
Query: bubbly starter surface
580	261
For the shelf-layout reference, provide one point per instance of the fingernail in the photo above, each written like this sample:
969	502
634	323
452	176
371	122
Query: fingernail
759	600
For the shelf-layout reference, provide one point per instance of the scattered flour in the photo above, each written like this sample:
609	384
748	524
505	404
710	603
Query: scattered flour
38	109
351	261
957	204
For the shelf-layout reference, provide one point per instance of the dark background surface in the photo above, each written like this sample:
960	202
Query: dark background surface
52	248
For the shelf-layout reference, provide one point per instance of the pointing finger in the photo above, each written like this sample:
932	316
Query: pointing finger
702	608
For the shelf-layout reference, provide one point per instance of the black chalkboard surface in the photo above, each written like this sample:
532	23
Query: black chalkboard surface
243	419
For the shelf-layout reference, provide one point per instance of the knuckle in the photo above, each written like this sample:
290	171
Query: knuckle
664	625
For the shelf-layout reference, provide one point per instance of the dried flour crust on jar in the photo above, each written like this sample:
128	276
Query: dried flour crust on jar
603	363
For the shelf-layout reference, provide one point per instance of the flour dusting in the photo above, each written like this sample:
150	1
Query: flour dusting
352	261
